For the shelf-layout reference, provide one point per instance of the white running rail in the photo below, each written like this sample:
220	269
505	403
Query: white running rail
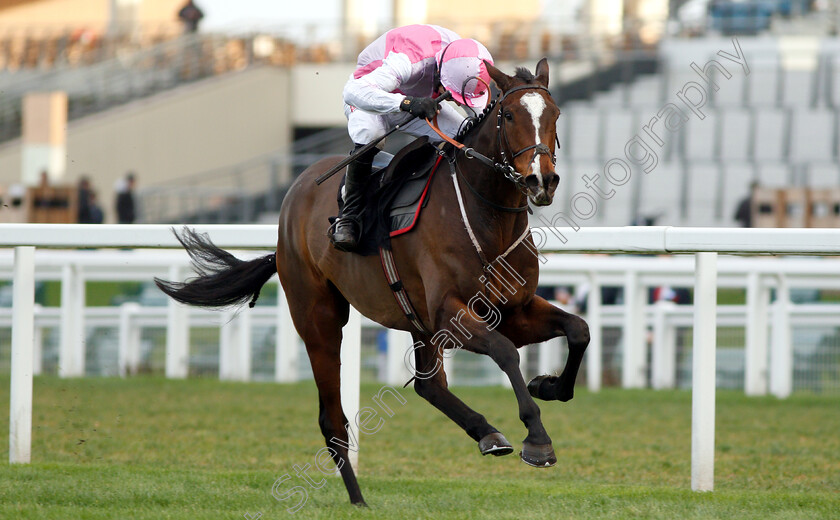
705	243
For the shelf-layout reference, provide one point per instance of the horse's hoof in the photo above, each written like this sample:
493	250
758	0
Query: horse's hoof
541	387
495	444
566	396
538	455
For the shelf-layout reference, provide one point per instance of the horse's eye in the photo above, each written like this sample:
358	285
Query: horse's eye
508	116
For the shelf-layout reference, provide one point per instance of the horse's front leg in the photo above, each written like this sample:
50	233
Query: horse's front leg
430	384
479	335
540	321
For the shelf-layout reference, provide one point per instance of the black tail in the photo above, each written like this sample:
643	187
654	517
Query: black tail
223	280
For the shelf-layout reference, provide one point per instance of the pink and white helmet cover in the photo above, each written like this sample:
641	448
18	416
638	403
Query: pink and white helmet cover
462	62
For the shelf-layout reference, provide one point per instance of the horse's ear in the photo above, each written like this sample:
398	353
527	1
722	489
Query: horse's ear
503	81
542	72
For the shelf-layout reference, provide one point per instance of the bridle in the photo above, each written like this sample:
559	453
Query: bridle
539	148
505	168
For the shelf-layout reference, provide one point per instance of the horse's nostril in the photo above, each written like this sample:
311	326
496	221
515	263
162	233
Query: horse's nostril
552	181
532	182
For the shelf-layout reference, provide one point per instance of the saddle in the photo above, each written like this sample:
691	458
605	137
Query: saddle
395	194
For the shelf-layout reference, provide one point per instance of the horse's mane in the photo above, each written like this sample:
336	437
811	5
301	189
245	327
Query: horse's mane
471	123
525	75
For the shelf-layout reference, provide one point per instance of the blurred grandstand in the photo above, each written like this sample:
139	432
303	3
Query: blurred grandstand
216	125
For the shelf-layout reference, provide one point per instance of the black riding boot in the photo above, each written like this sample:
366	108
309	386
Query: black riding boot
344	234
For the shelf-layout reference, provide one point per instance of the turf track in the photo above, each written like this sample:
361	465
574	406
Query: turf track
149	448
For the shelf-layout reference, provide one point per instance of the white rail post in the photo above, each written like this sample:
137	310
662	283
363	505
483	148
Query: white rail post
781	355
228	338
123	345
663	355
37	345
351	367
177	335
703	373
594	353
548	356
129	337
23	330
755	355
243	353
449	365
399	342
235	346
71	354
633	334
287	353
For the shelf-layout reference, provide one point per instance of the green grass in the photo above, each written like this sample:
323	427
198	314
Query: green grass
148	448
731	296
97	294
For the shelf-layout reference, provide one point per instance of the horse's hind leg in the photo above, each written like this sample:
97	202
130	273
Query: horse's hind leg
430	384
319	314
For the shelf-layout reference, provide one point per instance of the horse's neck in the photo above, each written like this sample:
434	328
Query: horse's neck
491	225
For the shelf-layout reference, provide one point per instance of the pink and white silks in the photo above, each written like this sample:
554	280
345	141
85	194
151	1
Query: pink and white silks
401	63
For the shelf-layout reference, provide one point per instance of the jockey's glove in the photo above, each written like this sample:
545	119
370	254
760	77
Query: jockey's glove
419	106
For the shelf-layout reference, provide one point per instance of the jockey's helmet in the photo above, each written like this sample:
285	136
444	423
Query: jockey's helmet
463	73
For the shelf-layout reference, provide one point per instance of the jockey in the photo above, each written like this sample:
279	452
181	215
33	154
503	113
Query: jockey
395	82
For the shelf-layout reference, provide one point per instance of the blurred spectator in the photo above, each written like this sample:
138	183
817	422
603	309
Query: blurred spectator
95	214
609	296
646	220
17	194
125	200
743	214
561	294
545	292
42	196
190	15
663	293
84	196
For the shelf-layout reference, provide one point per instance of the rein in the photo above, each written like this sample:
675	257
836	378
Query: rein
485	200
389	266
505	168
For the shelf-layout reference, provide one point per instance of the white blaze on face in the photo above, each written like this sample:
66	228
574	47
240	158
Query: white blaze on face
535	105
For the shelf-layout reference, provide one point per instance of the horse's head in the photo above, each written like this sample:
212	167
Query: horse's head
528	128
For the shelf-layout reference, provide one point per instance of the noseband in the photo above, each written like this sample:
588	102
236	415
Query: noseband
501	131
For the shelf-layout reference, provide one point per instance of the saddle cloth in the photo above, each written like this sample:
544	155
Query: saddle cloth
395	195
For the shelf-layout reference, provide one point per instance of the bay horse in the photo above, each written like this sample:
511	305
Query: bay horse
444	267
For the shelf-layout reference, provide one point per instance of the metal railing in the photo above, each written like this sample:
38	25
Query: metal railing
619	359
238	193
117	69
133	75
39	47
704	243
